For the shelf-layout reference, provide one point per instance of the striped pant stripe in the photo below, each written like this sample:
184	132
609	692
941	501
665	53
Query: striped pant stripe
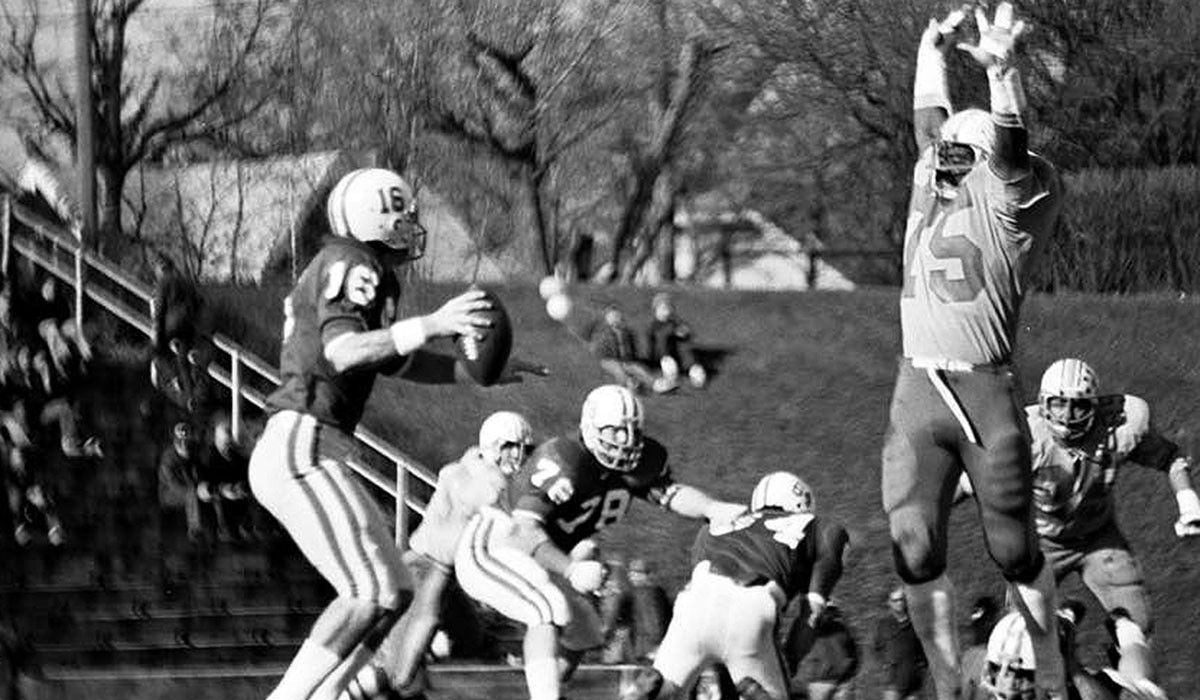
506	579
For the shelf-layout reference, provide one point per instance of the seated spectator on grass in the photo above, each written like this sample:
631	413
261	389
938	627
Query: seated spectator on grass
224	487
616	616
669	345
615	345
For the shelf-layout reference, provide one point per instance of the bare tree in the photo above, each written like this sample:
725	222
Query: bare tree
135	119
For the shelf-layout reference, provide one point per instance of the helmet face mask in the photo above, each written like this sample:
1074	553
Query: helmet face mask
1010	669
611	426
965	142
378	207
1067	398
506	439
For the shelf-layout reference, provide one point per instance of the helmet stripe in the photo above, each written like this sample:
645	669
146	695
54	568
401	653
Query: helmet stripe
342	204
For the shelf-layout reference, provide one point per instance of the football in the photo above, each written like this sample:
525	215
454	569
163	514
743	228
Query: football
484	358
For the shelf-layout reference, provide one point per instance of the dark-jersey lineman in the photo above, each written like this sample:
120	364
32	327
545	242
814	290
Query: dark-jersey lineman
980	203
339	331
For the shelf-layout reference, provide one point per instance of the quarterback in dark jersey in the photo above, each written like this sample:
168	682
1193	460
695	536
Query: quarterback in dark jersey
981	202
340	330
574	487
745	572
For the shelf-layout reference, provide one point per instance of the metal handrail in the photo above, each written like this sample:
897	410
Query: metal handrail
239	357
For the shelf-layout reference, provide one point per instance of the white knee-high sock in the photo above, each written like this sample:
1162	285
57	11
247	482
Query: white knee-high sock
1038	603
931	607
541	666
311	665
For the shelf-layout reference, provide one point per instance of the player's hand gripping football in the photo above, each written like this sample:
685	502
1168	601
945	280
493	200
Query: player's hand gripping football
587	576
997	38
459	316
939	35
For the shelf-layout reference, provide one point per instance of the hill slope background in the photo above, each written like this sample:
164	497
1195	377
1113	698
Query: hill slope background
804	385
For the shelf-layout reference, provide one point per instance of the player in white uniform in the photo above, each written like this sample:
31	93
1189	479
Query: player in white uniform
471	502
980	204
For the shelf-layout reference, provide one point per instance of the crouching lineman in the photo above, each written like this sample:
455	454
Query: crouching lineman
339	331
1080	440
576	486
1010	671
477	482
744	573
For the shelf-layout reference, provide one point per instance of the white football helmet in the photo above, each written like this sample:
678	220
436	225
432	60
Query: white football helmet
965	141
1067	397
374	205
506	439
782	490
611	426
1009	668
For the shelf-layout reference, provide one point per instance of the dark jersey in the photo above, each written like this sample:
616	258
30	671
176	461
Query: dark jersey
345	288
798	551
574	496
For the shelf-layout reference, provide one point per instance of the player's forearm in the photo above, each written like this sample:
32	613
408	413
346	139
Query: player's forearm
931	96
690	502
529	536
363	349
1010	155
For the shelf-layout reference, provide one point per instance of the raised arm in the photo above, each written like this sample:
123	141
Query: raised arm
995	51
931	96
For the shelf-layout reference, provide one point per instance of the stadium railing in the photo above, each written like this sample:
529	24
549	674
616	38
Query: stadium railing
50	246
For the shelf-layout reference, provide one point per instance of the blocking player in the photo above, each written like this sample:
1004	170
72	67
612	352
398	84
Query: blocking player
1080	440
471	499
340	330
980	203
745	572
575	486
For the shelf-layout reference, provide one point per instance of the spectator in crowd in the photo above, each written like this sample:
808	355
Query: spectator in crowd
177	309
615	345
669	345
826	672
178	471
899	650
984	614
30	499
68	346
651	610
223	484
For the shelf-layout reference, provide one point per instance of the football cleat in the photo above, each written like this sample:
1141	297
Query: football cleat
375	205
1067	397
783	490
611	426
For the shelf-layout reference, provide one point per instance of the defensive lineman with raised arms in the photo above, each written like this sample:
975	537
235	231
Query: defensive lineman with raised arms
340	331
981	201
575	486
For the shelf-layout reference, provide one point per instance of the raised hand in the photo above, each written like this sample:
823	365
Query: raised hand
997	39
938	34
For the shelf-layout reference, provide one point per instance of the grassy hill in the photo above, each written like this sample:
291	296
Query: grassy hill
805	386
